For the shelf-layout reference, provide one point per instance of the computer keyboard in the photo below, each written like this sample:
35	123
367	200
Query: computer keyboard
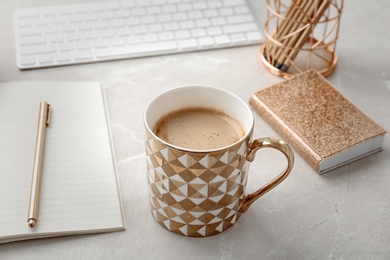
92	32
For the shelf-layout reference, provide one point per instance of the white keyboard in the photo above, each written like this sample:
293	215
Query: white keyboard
92	32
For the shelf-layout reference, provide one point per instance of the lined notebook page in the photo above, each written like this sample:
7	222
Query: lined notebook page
79	189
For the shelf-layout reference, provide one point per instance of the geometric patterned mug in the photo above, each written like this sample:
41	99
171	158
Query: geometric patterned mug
200	193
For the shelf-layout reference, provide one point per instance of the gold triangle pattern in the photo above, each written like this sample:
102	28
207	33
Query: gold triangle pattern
195	194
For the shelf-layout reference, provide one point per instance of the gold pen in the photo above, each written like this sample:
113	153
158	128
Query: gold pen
43	122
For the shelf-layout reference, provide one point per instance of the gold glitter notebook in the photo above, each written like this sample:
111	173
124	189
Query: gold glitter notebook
324	127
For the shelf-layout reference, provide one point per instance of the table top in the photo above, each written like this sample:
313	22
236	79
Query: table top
343	214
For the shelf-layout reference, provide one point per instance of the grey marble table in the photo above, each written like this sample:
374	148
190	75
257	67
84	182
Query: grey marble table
344	214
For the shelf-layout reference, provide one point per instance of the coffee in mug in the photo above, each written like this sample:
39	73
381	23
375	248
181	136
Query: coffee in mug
198	149
199	128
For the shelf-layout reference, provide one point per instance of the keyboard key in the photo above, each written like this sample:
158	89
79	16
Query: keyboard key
108	15
171	26
155	28
67	28
241	10
66	46
218	21
150	38
117	23
73	37
26	22
91	17
139	11
101	25
234	2
222	40
45	58
226	11
143	2
169	9
166	36
183	34
148	19
215	4
97	7
37	49
239	19
27	60
29	40
106	33
84	27
199	32
112	6
63	56
133	21
82	55
58	20
174	1
128	4
195	15
75	18
135	39
190	44
123	32
202	23
141	29
238	38
184	7
29	31
28	13
83	45
162	18
64	11
180	16
159	2
118	42
189	24
214	31
211	13
101	43
122	13
200	5
206	42
154	10
51	29
89	35
239	28
135	50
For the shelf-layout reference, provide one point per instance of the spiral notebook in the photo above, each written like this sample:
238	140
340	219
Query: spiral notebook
80	192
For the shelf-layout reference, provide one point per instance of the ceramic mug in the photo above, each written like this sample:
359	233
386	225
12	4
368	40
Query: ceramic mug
203	192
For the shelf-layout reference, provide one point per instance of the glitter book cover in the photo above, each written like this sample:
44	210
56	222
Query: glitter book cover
323	126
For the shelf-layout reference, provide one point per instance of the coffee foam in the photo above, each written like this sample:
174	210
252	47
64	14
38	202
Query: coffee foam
199	128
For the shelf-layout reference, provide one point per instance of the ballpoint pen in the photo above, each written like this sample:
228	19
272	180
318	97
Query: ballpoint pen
43	122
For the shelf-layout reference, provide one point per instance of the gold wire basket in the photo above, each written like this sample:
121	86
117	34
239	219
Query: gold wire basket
301	35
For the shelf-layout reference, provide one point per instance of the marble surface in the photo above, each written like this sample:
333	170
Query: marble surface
344	214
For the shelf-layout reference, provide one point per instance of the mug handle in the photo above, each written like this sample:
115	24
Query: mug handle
274	143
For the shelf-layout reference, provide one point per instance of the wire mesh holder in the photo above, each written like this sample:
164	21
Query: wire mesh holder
301	35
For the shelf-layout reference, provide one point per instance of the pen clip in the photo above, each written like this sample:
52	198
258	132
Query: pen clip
48	114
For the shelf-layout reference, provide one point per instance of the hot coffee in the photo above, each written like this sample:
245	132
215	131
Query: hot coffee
198	159
199	128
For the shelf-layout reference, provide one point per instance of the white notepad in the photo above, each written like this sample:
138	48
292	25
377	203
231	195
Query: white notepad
80	192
